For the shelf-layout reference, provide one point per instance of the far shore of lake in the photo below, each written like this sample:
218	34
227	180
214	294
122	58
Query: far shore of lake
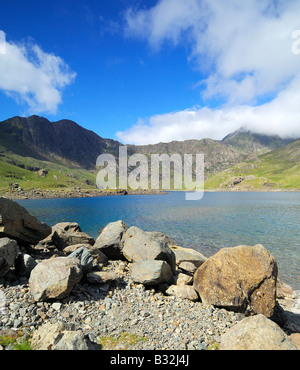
93	193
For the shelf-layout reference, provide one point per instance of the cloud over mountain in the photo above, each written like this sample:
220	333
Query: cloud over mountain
244	54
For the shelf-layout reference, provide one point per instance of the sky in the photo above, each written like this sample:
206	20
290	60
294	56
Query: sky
149	71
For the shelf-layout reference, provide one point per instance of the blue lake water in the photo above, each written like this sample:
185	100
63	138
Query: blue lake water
218	220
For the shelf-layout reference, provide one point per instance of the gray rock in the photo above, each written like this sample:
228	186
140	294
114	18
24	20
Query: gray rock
66	234
24	264
19	225
71	341
54	278
101	277
188	255
151	272
57	337
139	245
183	291
72	227
8	253
256	333
182	278
110	240
162	237
85	258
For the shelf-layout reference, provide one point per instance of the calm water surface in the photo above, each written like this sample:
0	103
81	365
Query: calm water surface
218	220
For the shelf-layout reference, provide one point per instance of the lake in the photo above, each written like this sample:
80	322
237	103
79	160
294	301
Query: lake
220	219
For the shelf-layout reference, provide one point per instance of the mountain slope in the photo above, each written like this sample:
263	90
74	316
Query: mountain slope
62	142
217	155
250	143
65	142
69	153
275	170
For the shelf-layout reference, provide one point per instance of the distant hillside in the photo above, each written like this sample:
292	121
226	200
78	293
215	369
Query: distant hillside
66	143
63	142
218	155
251	143
275	170
68	153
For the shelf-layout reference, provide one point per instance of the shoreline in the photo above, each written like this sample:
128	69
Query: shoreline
74	193
100	294
95	193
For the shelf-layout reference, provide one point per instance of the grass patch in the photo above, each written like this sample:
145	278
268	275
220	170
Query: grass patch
123	341
24	171
15	343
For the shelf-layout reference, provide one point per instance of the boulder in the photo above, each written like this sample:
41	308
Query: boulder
72	227
183	278
256	333
162	237
54	278
187	267
99	256
139	245
57	337
65	234
110	240
188	255
295	338
85	257
101	277
72	341
19	225
283	290
24	264
9	251
183	291
151	272
43	173
241	279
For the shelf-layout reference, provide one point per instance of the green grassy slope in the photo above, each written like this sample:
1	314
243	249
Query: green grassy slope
279	169
24	171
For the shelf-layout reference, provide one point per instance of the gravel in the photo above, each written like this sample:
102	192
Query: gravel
120	315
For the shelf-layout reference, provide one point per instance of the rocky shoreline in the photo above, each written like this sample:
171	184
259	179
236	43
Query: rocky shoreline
19	193
92	193
135	290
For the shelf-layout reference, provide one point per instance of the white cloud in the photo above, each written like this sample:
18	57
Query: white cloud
244	49
280	116
33	77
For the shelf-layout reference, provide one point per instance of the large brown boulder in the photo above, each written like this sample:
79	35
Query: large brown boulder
16	223
241	279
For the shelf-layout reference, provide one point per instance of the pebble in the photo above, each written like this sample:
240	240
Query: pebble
160	322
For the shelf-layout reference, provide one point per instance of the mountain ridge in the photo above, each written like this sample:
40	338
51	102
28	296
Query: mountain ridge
34	142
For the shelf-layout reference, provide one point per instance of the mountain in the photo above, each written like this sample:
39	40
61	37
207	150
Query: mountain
218	155
68	153
252	143
63	142
275	170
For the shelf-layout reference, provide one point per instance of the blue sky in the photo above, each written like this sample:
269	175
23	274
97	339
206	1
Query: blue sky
156	70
